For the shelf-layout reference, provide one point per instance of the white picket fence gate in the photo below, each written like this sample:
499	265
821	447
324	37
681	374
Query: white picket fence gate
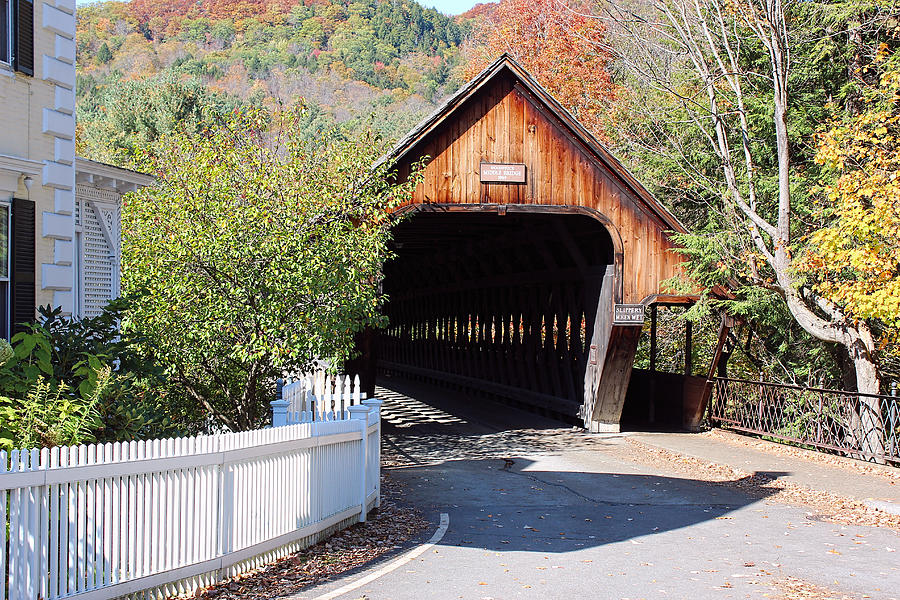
162	517
316	397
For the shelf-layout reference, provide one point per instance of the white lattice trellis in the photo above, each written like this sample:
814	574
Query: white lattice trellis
97	221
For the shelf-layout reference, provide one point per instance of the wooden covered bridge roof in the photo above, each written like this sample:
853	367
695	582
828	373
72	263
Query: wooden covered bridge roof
504	116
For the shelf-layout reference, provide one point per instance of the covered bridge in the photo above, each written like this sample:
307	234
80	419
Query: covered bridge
526	255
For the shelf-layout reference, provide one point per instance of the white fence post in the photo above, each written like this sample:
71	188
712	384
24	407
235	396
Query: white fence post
279	406
375	452
360	414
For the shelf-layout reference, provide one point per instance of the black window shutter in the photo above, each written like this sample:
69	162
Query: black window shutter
22	264
23	45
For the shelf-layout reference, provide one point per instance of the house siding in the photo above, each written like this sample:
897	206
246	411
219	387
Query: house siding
38	125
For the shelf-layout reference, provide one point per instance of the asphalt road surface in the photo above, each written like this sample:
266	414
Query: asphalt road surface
540	511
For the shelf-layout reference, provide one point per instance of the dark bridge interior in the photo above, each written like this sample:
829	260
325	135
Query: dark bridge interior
502	303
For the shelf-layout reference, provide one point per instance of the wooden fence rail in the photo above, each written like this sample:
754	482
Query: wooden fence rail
162	517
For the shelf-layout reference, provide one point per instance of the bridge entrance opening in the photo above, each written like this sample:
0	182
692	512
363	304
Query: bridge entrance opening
495	300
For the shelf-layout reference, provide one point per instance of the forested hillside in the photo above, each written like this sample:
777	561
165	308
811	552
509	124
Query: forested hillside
346	60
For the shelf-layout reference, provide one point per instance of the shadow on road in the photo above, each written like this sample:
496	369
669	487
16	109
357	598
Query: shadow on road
511	504
513	480
500	506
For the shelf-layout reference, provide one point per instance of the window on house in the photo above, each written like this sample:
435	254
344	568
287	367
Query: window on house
4	269
17	35
5	28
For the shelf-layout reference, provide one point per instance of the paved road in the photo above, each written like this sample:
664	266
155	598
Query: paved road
539	511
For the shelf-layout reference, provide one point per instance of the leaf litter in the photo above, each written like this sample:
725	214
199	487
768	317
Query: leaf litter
826	505
387	529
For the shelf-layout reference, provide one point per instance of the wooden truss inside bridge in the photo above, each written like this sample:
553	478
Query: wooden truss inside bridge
503	302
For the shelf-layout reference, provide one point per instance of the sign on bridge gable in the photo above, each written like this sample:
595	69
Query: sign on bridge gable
502	173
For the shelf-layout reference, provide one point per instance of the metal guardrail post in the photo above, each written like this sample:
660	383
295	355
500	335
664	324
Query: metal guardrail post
894	423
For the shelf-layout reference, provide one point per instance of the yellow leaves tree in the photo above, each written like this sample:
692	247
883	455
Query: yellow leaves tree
855	260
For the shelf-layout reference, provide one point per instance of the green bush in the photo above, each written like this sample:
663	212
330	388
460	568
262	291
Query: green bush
49	416
256	253
69	381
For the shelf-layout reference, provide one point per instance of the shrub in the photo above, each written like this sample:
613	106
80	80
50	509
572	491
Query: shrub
256	253
68	381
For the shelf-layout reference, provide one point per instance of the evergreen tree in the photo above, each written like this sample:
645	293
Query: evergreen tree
104	54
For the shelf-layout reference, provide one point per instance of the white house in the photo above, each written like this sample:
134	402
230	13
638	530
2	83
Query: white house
59	231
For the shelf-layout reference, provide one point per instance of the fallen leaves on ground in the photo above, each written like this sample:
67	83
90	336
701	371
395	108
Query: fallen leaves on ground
828	506
892	474
792	588
386	529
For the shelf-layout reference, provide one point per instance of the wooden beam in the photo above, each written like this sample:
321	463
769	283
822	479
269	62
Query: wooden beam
670	299
614	380
495	281
724	330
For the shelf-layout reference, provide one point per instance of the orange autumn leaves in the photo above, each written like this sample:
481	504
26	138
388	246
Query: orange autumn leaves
855	260
163	12
559	44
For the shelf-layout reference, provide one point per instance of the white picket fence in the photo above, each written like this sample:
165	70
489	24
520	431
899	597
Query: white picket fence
316	397
162	517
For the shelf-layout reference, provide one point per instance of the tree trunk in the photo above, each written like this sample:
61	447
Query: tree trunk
871	433
865	427
845	365
858	340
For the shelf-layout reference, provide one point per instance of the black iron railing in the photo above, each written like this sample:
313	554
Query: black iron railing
865	426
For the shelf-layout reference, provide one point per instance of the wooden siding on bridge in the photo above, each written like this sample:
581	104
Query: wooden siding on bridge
503	121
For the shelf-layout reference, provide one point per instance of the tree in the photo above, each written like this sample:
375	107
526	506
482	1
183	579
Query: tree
132	115
723	74
256	253
558	46
145	10
104	54
855	259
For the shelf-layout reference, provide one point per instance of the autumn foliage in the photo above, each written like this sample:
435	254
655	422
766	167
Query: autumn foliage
855	260
480	11
345	59
558	44
167	10
144	10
